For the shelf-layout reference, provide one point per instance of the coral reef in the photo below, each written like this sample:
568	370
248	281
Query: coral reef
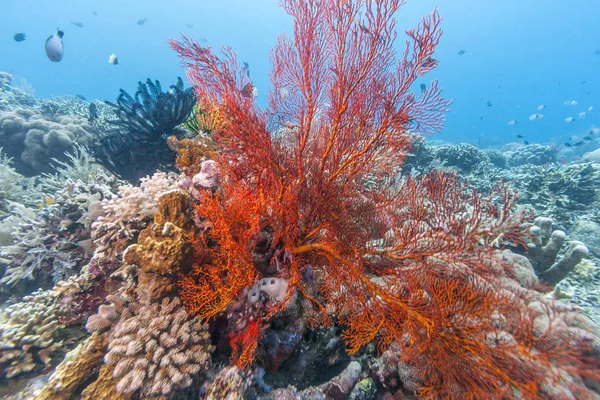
535	154
11	96
137	147
28	334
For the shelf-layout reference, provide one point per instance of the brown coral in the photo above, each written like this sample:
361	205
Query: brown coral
162	250
75	370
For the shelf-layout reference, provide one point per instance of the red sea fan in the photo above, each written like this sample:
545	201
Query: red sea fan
410	260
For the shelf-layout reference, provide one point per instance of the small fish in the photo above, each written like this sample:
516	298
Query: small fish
247	68
590	108
55	47
460	53
533	117
49	200
525	142
580	143
489	103
284	91
94	13
499	87
567	144
247	90
93	112
512	122
520	137
597	52
190	26
19	37
254	91
423	87
112	59
569	119
571	103
582	114
482	118
541	107
430	63
77	24
141	22
587	138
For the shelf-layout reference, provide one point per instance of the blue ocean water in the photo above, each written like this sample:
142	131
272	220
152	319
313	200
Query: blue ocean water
518	55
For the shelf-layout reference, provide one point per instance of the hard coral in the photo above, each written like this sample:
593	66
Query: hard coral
544	249
158	351
28	334
162	250
33	139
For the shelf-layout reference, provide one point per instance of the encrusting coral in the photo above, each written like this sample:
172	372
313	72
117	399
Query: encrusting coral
28	334
79	366
162	250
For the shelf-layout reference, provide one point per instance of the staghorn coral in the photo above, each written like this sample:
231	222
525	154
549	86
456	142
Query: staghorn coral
34	139
28	334
128	212
35	250
13	97
15	187
544	249
158	351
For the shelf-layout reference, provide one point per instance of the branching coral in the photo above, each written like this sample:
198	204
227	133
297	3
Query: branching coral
158	351
544	249
137	147
128	212
28	334
411	261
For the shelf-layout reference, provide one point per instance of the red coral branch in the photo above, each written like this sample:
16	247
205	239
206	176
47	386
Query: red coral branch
315	178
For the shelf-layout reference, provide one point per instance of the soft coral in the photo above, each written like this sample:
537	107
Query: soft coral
409	260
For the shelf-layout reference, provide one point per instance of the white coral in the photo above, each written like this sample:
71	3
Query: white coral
158	350
128	212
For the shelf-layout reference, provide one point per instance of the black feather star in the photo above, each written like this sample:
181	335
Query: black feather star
136	146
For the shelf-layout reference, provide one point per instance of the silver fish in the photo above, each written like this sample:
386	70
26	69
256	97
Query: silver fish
54	46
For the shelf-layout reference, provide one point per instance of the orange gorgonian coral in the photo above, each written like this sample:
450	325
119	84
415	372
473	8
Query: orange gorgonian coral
312	183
